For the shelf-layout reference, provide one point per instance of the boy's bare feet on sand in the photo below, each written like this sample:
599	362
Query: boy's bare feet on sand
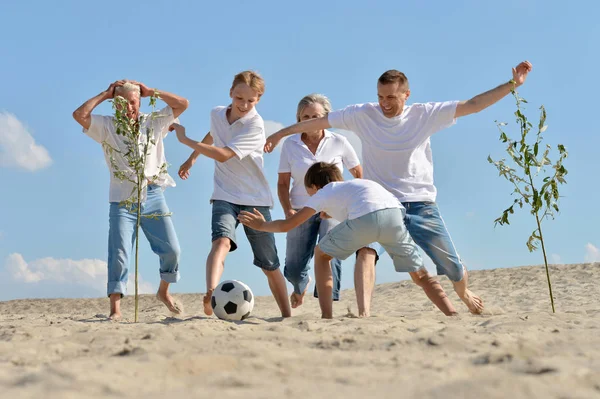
473	302
169	302
298	299
208	310
116	316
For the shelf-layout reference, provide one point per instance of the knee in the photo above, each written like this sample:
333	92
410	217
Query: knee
322	255
222	243
421	278
456	274
366	254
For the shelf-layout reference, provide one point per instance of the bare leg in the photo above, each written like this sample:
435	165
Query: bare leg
298	299
324	282
473	302
364	280
115	307
434	291
166	298
279	290
215	264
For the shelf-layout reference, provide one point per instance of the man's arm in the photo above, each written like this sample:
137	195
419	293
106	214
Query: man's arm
83	114
178	104
218	154
484	100
255	220
357	172
304	126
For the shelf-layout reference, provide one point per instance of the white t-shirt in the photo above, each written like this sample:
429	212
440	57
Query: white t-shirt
352	199
240	180
102	129
296	158
396	151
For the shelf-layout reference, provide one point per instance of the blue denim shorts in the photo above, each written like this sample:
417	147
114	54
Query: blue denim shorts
224	223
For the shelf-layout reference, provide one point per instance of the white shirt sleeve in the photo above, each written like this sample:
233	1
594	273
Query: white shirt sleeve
284	159
438	116
349	157
343	118
317	201
162	120
99	128
252	139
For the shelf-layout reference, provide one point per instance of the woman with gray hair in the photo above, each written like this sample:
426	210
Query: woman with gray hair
298	153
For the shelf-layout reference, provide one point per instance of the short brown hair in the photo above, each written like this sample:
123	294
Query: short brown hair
252	79
393	76
321	174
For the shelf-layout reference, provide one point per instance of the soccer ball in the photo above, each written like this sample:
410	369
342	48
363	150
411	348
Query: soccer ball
232	300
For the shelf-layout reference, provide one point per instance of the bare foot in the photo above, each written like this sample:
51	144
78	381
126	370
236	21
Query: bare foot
206	302
298	299
473	302
173	306
116	316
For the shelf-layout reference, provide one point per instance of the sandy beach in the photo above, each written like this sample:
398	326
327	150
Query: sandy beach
63	348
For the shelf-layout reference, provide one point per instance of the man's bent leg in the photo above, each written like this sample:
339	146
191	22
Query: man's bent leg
324	282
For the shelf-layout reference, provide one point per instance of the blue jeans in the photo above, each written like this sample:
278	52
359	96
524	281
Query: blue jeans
121	238
427	228
224	223
300	249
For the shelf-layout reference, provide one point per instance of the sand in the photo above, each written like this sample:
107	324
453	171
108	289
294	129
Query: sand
63	348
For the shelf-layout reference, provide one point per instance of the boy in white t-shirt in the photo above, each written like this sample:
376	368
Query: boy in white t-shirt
367	212
397	154
235	142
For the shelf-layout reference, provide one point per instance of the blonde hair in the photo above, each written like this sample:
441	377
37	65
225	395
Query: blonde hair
314	98
127	87
252	79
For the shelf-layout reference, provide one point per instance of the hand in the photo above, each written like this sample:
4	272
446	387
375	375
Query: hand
179	130
110	92
520	72
272	142
145	91
184	169
253	220
325	215
289	213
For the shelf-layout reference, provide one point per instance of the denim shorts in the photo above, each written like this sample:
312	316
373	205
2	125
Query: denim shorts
224	223
386	227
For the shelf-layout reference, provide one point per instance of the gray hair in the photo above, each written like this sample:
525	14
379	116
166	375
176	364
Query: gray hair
314	98
127	87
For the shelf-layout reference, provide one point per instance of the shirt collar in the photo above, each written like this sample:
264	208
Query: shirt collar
298	137
243	120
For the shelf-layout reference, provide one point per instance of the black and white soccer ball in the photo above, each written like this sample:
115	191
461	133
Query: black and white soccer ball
232	300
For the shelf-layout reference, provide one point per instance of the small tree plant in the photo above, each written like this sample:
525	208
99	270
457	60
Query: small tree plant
138	145
535	178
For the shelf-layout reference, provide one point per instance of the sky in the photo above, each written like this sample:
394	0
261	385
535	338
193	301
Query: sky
56	55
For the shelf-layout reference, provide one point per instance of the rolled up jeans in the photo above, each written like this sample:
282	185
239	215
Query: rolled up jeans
300	249
158	230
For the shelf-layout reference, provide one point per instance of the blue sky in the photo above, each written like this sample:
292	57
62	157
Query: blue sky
54	224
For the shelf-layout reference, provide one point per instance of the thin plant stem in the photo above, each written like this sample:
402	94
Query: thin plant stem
137	244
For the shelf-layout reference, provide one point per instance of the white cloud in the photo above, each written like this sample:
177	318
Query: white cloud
86	273
556	259
592	254
17	146
353	139
272	127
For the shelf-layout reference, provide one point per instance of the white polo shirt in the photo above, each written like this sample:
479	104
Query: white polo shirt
396	151
296	158
352	199
102	129
240	180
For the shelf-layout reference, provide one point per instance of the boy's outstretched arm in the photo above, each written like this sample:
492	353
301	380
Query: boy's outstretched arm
304	126
255	220
184	169
490	97
217	153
